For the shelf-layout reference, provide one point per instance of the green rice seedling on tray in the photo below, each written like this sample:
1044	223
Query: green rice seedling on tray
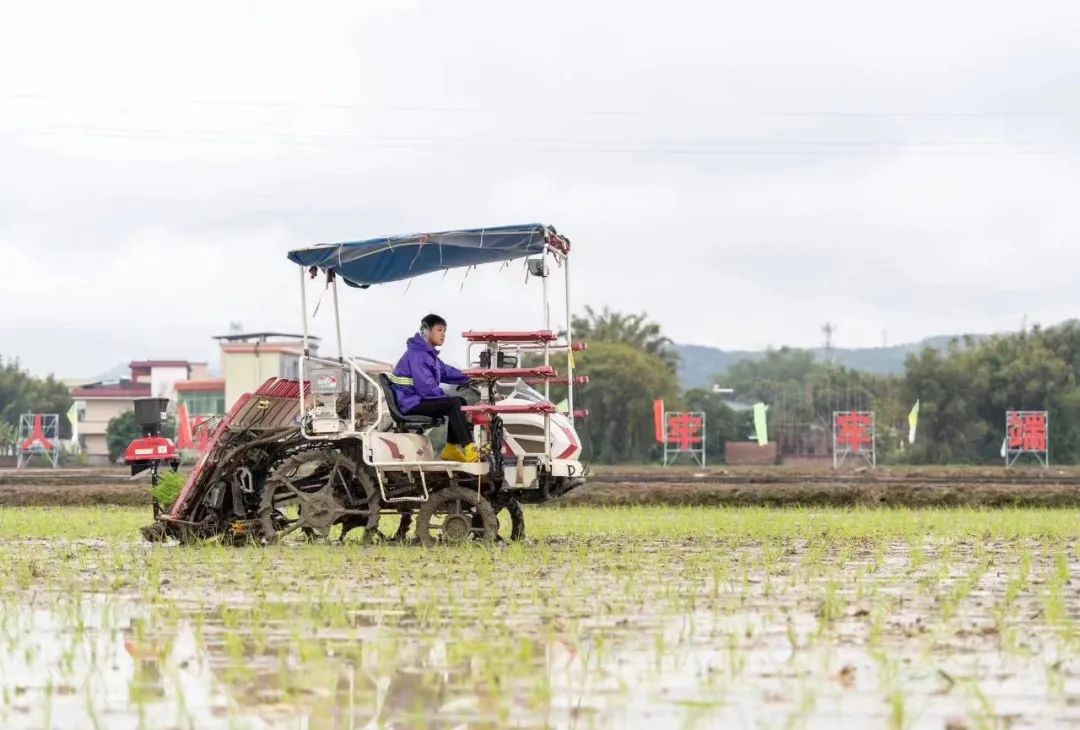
167	490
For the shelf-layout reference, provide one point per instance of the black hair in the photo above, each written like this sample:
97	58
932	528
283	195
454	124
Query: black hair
430	321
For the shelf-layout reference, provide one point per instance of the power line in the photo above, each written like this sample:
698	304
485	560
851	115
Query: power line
546	110
657	146
675	141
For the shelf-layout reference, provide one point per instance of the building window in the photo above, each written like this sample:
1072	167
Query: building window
210	403
289	367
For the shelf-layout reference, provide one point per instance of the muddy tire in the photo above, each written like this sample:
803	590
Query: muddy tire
328	489
155	532
454	516
517	518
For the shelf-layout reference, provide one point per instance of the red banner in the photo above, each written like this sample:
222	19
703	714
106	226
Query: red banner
684	430
183	428
1026	430
855	430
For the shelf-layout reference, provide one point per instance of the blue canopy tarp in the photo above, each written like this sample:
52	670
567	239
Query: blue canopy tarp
379	260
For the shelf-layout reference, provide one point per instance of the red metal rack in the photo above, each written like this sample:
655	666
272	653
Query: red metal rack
510	336
578	380
488	409
543	371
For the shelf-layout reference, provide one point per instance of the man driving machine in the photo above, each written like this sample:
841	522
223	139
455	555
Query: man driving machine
416	380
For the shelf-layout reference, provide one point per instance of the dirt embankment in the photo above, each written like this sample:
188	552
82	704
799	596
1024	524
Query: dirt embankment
774	486
69	487
128	495
912	486
831	494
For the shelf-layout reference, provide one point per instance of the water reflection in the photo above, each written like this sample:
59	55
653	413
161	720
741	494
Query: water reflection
109	663
94	664
102	663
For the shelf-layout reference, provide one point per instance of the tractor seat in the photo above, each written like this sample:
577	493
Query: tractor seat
405	423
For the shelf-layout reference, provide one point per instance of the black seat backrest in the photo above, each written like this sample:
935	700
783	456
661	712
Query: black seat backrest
391	398
404	423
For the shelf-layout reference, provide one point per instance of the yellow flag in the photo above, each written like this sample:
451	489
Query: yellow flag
760	426
913	422
73	419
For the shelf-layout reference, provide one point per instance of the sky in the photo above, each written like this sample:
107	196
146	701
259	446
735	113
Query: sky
742	172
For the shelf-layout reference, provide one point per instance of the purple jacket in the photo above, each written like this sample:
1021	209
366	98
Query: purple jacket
418	373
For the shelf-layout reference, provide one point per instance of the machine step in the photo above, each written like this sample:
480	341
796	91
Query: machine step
476	468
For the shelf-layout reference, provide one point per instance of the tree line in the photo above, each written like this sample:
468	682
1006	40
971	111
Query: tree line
22	393
963	390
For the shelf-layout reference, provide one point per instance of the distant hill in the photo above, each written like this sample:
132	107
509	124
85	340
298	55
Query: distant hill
700	364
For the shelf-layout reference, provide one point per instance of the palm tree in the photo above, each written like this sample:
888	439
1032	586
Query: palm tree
632	329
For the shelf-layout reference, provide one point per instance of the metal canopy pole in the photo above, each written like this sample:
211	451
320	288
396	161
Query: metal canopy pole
547	318
547	349
337	320
307	350
569	341
303	308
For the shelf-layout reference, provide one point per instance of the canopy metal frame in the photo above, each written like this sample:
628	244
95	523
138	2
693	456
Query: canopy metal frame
555	246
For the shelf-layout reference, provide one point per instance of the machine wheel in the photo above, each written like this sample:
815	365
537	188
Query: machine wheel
456	515
326	487
504	503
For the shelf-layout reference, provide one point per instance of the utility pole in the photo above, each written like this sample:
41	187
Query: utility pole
828	329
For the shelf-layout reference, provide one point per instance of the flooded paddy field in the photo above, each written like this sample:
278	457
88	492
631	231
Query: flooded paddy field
636	617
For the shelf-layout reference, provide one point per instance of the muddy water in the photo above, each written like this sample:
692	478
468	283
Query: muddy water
787	634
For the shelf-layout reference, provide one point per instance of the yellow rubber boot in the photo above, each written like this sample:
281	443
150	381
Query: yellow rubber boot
471	453
452	452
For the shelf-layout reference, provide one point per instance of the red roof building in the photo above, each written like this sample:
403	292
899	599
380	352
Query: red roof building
99	403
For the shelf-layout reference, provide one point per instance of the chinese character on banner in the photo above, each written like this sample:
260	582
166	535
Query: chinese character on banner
853	433
855	430
1026	432
684	433
684	430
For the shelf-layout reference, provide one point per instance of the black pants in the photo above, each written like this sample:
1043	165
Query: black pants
457	430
